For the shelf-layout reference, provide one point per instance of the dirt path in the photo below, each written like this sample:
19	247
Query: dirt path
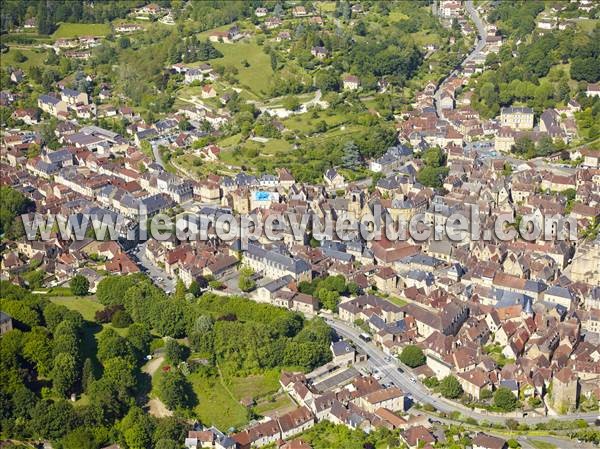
155	406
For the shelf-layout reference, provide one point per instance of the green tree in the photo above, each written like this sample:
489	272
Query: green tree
64	373
37	349
412	356
175	352
291	103
450	387
505	400
79	285
176	391
87	374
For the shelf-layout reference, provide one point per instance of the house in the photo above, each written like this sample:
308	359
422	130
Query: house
485	441
417	436
299	11
519	118
73	97
447	100
343	353
334	180
391	398
52	105
228	37
275	263
17	76
261	12
351	82
565	390
6	324
273	22
208	91
591	158
319	52
593	90
192	75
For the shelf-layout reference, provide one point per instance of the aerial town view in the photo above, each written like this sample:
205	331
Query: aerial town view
300	224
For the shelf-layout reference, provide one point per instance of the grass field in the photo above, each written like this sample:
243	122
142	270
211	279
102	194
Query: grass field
87	306
257	76
34	57
306	122
67	30
215	404
539	444
218	403
278	405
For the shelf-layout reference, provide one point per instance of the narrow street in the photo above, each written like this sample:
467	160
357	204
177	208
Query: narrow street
480	41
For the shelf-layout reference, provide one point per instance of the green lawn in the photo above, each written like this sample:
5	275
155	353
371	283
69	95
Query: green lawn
86	305
220	407
306	122
395	300
539	444
257	76
215	404
34	57
276	405
68	30
255	386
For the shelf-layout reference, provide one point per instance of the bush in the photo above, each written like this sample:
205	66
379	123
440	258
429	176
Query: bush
79	285
450	387
505	400
412	356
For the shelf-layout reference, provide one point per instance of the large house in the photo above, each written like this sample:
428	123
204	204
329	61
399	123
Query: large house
519	118
275	263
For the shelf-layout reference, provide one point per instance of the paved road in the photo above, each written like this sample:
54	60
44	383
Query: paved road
403	380
157	156
154	271
480	41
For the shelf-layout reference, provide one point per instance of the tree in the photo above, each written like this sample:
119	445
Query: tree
79	285
505	400
37	349
351	155
412	356
87	374
176	391
80	438
137	428
52	419
195	289
291	103
64	373
450	387
327	81
175	352
139	337
120	319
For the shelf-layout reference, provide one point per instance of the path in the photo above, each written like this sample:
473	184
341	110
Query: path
155	406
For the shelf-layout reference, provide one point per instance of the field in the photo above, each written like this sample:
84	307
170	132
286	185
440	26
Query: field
257	76
87	306
68	30
34	58
218	402
542	444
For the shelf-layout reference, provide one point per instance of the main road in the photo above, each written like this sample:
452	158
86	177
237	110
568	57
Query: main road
480	41
389	368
